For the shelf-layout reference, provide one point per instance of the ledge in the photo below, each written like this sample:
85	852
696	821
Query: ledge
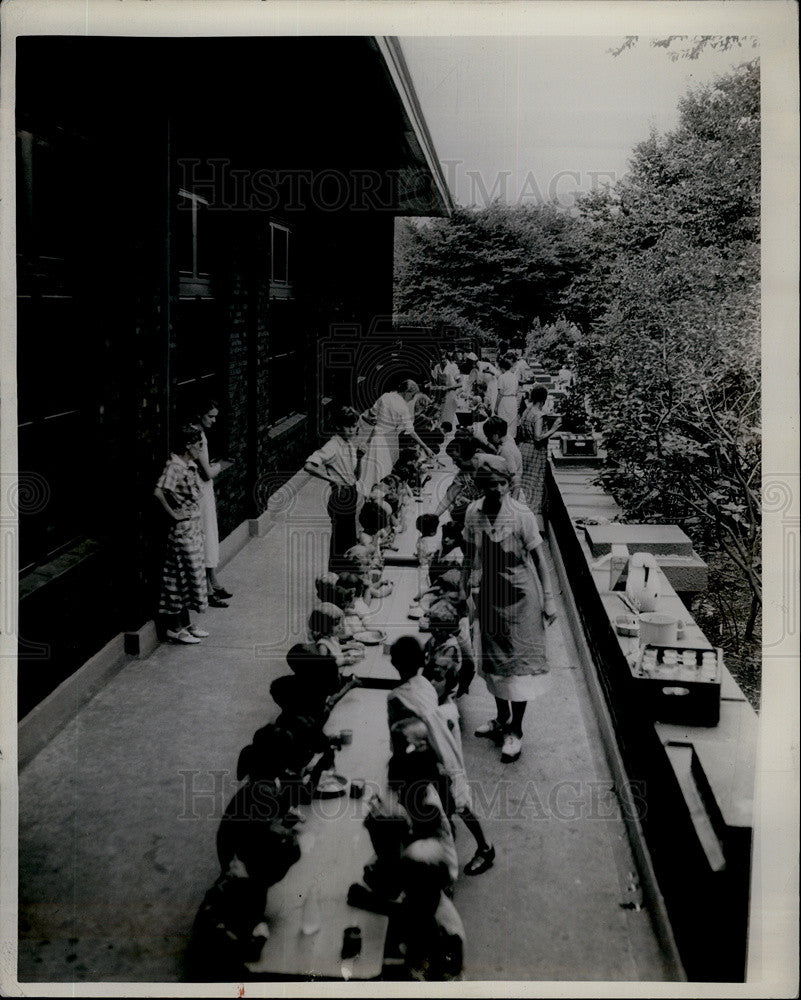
286	425
698	782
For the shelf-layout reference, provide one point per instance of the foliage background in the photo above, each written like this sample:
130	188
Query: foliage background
649	290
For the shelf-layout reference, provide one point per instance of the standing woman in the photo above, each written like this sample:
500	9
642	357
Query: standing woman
447	382
506	408
337	463
491	391
183	578
533	440
503	548
390	416
208	507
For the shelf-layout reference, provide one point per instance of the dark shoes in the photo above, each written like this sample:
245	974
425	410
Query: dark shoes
216	602
222	593
481	861
492	730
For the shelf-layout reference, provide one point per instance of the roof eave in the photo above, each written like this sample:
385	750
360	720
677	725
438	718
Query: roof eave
390	49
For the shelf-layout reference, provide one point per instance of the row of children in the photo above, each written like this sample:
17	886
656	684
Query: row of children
414	871
286	763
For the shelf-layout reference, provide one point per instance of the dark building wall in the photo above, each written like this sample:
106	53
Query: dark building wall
136	347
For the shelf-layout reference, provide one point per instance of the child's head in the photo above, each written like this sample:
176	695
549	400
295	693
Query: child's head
373	518
360	556
451	536
443	672
317	670
443	619
325	587
495	430
427	525
450	583
352	586
288	693
327	621
406	656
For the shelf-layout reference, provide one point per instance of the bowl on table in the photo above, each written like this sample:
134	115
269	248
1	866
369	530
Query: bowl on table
331	786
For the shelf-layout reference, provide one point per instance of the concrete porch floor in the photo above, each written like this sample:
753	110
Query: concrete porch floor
118	813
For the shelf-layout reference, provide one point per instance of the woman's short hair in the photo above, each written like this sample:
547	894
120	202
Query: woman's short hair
344	416
185	434
538	394
405	384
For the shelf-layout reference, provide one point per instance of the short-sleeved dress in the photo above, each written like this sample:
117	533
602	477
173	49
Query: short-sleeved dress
446	379
183	579
208	511
507	401
511	654
392	417
535	458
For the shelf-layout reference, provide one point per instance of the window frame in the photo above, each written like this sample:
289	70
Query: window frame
194	282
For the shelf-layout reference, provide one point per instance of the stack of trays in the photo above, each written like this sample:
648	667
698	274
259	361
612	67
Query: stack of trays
680	685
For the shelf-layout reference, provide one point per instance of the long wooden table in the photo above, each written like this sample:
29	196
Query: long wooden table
334	849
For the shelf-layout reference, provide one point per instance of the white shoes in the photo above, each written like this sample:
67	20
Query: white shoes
183	636
197	632
511	748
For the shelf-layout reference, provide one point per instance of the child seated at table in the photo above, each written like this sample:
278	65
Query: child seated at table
416	696
451	542
426	549
375	524
255	852
356	605
327	629
449	624
361	561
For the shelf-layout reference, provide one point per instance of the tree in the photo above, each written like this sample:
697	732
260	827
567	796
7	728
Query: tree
669	303
492	270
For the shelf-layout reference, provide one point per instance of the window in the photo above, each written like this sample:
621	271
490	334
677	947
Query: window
280	261
286	372
191	244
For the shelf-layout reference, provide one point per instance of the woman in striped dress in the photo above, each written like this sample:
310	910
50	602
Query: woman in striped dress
183	578
533	440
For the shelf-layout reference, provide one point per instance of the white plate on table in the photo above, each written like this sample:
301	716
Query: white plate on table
371	637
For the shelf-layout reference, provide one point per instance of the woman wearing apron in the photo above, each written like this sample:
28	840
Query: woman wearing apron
447	385
513	601
507	396
390	416
533	442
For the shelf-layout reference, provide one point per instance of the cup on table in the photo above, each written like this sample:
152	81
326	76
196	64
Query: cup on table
351	942
346	737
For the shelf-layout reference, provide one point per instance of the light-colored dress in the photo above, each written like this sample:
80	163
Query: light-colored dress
507	400
444	377
392	417
491	391
208	510
511	631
